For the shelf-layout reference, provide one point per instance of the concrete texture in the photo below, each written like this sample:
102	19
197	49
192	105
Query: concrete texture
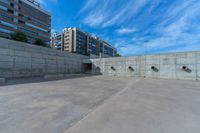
19	59
147	106
54	106
101	104
168	66
60	76
2	80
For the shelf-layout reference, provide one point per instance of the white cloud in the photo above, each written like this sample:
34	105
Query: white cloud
173	31
168	25
88	4
125	12
135	49
126	31
94	20
98	15
103	13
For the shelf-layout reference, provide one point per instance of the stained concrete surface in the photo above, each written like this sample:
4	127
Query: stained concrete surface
101	104
52	107
147	106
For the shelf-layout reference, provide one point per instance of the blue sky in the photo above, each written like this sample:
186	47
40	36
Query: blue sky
133	26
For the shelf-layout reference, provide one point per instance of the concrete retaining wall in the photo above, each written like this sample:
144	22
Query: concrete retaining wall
19	59
168	66
24	60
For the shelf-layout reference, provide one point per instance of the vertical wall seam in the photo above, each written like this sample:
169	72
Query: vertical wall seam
196	71
176	65
13	72
159	66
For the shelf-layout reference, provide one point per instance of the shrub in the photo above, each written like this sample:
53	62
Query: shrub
19	36
117	55
40	42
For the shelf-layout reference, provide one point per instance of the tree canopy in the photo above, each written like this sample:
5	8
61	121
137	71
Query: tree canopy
40	42
19	36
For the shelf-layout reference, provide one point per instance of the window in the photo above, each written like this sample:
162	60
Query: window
28	31
21	22
11	11
12	5
21	15
5	16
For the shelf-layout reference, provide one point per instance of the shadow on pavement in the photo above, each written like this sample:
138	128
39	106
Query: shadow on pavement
38	79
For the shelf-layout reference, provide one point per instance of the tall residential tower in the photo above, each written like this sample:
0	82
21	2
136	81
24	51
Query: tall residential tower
25	16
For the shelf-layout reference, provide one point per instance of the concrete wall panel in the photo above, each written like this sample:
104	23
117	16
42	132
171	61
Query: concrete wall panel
198	71
167	66
133	66
198	65
19	59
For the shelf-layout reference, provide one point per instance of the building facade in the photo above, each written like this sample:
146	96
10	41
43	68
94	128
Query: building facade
107	49
77	41
25	16
93	45
74	40
57	41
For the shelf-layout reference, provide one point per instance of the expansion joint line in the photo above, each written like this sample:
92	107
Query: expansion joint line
128	86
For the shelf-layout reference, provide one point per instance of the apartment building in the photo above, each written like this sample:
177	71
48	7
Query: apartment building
74	40
77	41
107	49
25	16
57	41
93	45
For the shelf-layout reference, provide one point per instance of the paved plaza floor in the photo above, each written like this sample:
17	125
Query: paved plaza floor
101	104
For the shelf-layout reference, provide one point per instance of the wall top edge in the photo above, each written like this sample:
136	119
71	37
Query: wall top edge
157	54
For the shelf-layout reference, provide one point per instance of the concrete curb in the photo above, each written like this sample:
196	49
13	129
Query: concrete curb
50	76
53	76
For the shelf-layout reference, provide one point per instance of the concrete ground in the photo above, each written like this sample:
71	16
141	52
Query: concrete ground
100	104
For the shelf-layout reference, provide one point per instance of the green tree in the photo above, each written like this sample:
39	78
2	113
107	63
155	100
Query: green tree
40	42
117	55
19	36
